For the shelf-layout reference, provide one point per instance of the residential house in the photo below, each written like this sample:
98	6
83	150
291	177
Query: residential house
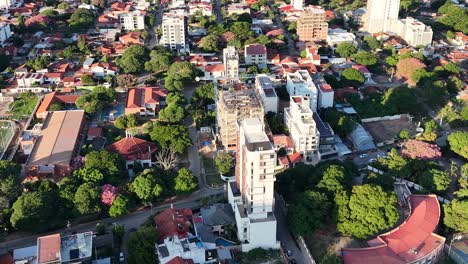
132	150
237	8
102	69
65	100
256	54
146	101
53	77
132	38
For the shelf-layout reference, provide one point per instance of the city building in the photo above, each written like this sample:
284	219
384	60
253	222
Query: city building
64	100
234	106
174	29
237	8
337	36
267	93
414	32
134	20
300	83
5	32
29	80
231	63
76	248
5	4
145	101
312	24
132	150
327	143
411	242
303	131
251	195
56	146
256	54
381	15
325	91
297	4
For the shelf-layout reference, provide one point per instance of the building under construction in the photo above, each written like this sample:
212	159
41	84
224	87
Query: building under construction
234	105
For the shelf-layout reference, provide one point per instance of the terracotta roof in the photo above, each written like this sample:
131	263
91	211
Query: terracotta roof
131	148
275	32
173	222
283	161
255	49
409	242
179	260
289	59
132	38
48	248
361	68
94	131
138	97
7	259
295	158
53	74
214	68
283	140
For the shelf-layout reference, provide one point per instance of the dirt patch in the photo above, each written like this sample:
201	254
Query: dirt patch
385	130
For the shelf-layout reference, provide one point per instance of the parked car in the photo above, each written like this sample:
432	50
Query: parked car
289	253
363	156
372	160
121	257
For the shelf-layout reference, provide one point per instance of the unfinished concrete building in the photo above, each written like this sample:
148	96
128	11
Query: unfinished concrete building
235	105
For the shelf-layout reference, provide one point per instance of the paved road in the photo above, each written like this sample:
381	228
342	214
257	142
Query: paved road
283	234
130	221
291	43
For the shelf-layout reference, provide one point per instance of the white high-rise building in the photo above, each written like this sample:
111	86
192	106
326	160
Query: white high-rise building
304	134
414	32
297	4
300	83
174	28
381	15
252	194
231	63
5	32
132	20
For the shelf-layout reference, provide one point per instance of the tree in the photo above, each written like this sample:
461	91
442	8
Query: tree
109	164
204	94
223	162
455	17
185	181
159	60
126	80
210	43
88	80
8	168
400	100
435	180
32	211
353	77
383	180
109	193
174	137
63	5
365	58
38	63
10	186
99	3
89	175
167	159
406	67
308	213
333	179
173	113
179	74
81	19
416	149
67	190
458	142
126	121
146	186
119	206
450	35
452	68
241	30
454	84
88	199
404	134
141	246
94	101
55	107
369	210
133	59
456	215
176	98
372	42
346	50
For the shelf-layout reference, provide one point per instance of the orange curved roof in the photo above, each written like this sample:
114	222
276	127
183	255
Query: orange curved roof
409	242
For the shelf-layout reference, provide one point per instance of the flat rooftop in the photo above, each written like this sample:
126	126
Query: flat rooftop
77	246
58	138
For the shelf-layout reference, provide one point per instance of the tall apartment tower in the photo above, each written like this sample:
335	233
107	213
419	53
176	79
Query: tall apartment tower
231	63
234	106
302	128
252	194
297	4
134	20
381	15
312	24
174	29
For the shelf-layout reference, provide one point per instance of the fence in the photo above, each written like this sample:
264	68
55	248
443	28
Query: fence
382	118
305	251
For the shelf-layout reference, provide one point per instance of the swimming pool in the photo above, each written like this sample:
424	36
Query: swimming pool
116	111
224	242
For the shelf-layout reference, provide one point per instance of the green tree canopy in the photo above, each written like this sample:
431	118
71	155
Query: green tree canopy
89	175
210	43
159	60
223	162
365	58
185	181
88	199
146	186
458	142
32	211
308	213
346	50
455	17
111	165
241	30
119	206
99	97
173	113
334	179
133	59
81	18
369	210
372	42
456	215
141	246
179	74
174	137
353	77
435	180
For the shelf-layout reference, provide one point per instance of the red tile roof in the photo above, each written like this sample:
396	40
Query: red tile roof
325	87
7	259
55	98
411	241
255	49
295	158
214	68
48	248
138	97
94	131
283	140
173	222
131	148
179	260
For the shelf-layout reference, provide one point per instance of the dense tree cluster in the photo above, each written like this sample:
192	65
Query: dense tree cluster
458	142
94	101
180	74
133	59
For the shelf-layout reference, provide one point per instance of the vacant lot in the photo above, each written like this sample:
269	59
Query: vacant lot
388	129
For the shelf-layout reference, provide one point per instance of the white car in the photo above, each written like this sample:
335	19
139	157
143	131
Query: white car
363	156
372	160
121	257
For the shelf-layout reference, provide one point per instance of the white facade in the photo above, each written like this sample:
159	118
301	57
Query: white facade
174	30
30	80
297	4
414	32
381	15
267	93
5	4
183	248
256	54
177	3
303	131
5	32
252	196
132	20
300	83
338	36
231	63
100	71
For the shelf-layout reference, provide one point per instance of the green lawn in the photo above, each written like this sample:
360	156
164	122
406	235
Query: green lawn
211	173
23	107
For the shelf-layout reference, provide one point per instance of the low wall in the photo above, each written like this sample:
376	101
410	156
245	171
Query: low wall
305	251
381	118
